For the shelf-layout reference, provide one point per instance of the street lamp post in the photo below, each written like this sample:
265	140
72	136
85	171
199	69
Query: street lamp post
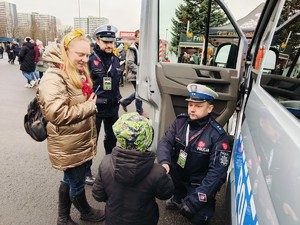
166	51
79	13
99	8
167	34
46	37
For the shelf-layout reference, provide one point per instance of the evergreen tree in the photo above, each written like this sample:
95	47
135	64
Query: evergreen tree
194	11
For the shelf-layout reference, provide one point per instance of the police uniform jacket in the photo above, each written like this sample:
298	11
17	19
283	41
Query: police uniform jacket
99	64
129	181
71	118
208	156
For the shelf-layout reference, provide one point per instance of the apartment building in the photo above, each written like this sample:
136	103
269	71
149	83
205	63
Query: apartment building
8	19
24	20
89	24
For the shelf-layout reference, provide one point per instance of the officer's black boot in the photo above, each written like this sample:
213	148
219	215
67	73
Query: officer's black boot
64	206
86	211
205	214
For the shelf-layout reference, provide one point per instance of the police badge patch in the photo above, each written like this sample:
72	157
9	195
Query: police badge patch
202	197
225	145
224	158
96	62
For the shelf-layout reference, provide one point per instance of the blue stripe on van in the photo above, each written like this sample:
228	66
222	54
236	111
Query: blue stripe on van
245	207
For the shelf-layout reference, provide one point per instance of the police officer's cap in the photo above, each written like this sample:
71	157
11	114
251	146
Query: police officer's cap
200	93
106	32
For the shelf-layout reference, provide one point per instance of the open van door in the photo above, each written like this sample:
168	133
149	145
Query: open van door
221	64
261	84
265	175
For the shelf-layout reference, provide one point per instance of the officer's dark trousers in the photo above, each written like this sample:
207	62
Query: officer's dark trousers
183	189
109	138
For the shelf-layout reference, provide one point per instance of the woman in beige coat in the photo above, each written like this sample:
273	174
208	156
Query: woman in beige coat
68	104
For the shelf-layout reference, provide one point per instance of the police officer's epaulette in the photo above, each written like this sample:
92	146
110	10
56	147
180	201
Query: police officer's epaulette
218	127
182	115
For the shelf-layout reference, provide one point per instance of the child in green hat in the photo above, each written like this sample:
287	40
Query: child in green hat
128	180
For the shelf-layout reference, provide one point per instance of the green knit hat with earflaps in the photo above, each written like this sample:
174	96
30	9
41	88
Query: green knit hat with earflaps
133	131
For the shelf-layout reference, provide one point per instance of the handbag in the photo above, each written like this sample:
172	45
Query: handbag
34	122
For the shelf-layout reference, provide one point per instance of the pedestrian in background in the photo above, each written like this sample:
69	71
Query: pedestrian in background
26	59
122	57
196	153
92	45
69	105
105	71
1	50
16	50
196	57
116	51
36	59
131	73
128	180
42	66
10	52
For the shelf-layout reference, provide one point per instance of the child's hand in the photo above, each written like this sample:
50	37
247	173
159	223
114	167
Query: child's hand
167	167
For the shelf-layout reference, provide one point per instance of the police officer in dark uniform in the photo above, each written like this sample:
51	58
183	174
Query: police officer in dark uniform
196	153
105	72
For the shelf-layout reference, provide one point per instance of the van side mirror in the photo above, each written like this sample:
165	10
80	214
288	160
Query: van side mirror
270	60
222	55
226	55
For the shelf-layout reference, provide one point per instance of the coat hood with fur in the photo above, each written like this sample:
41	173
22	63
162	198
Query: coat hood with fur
52	54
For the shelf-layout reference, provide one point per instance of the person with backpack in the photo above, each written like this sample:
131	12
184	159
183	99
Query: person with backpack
68	104
26	59
131	73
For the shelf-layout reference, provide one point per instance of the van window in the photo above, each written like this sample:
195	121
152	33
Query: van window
182	34
283	82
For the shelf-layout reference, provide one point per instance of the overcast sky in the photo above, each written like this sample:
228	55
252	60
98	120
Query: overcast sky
124	14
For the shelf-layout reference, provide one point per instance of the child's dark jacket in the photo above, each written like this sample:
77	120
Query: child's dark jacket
129	181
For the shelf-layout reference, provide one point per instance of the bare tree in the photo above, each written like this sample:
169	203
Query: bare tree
63	30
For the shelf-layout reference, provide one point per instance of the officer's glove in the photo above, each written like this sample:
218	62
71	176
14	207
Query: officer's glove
186	211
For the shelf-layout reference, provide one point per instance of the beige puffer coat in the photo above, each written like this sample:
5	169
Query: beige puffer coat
71	118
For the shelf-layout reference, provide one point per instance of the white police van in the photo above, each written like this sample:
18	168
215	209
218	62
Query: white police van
259	97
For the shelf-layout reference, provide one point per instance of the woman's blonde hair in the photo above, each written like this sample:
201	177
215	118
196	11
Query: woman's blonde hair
69	67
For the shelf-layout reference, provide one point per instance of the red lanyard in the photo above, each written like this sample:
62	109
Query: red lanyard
195	135
109	69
